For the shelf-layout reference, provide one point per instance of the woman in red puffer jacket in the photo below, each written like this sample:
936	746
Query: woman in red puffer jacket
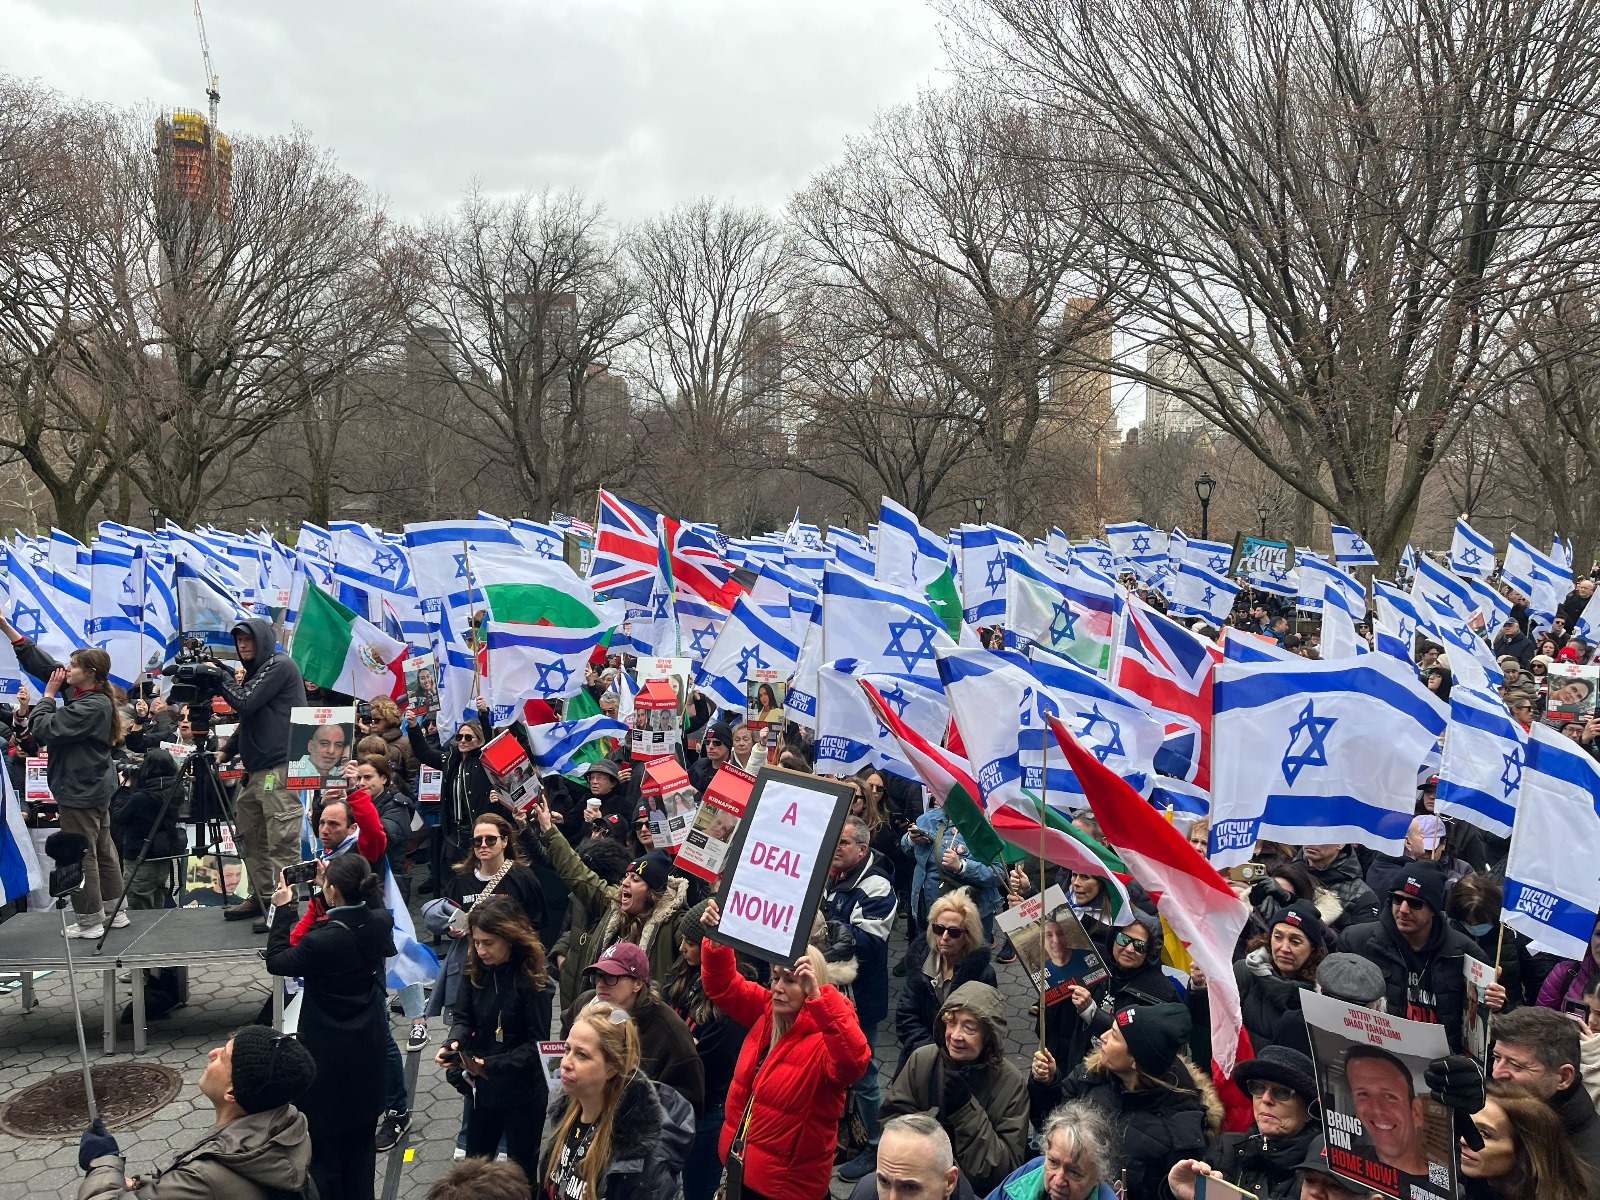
803	1052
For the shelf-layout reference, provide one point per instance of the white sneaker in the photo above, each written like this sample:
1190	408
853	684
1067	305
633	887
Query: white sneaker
87	932
120	921
460	1153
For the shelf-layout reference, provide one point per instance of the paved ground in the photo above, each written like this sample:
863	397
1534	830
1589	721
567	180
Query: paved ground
43	1042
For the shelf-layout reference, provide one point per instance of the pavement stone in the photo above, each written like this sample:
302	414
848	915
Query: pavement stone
36	1045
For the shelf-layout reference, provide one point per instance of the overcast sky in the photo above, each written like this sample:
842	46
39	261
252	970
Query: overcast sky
641	103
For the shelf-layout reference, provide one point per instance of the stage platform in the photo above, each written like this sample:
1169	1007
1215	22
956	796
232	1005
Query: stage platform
165	937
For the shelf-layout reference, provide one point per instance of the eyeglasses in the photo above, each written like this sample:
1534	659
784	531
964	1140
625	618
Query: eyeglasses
465	737
1411	902
1137	943
715	742
1276	1092
487	839
947	931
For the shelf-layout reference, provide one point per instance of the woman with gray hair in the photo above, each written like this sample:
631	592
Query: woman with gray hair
1079	1160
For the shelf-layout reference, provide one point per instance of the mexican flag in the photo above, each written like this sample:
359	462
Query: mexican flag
525	589
336	649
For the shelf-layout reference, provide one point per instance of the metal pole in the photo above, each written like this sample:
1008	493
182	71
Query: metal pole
77	1012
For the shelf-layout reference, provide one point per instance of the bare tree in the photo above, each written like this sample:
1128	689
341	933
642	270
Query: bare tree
941	219
520	303
1335	200
713	280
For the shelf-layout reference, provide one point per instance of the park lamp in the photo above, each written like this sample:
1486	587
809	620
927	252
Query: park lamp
977	503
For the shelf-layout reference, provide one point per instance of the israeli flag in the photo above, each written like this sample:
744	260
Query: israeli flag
983	575
1408	562
1485	751
1339	637
413	962
204	602
538	662
1350	549
800	702
1201	592
1587	626
1184	802
1471	554
885	630
698	625
1000	709
116	602
1437	585
554	746
1471	660
539	539
1210	556
749	641
849	734
1494	608
1539	577
1096	556
908	555
1115	726
440	552
852	550
1142	547
1552	890
1396	619
1314	751
53	616
20	870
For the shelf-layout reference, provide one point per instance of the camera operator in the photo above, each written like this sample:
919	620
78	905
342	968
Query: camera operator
266	813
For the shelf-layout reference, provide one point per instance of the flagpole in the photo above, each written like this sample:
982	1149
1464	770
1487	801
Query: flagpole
472	621
1488	1019
1044	952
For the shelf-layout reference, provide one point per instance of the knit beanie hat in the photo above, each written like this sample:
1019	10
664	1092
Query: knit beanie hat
270	1069
1422	881
1154	1033
689	928
1303	915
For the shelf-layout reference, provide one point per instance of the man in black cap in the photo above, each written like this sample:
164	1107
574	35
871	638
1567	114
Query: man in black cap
1418	952
259	1142
715	748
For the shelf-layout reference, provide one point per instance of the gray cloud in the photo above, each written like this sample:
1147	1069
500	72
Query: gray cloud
640	103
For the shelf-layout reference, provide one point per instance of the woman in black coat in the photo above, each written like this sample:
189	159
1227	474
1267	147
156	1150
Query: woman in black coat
344	1019
501	1013
950	952
464	790
149	810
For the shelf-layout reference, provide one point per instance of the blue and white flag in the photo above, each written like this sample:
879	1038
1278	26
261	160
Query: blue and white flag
1201	592
1142	547
1115	727
1395	619
1184	802
1317	752
413	962
698	625
555	746
1408	562
983	575
849	734
1541	578
20	870
1480	777
1350	549
52	610
440	552
908	554
1494	608
852	550
749	641
1471	554
1096	556
886	630
1210	556
116	604
1471	660
205	604
1587	626
537	538
800	701
1552	890
1339	636
1000	709
537	662
66	552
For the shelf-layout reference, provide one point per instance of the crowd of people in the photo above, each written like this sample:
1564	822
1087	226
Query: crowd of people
687	1068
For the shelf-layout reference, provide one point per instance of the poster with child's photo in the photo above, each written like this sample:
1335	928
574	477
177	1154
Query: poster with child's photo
320	741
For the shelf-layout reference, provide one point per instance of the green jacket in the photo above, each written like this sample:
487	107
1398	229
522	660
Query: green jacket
241	1160
77	737
603	918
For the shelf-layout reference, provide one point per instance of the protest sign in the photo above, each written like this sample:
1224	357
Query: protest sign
422	684
511	771
764	697
1572	689
705	844
178	750
36	781
1059	956
780	858
670	801
657	727
1385	1132
551	1054
1475	1017
677	672
430	784
319	745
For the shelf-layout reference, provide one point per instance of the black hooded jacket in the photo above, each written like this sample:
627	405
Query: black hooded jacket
272	687
1262	1166
134	811
1437	966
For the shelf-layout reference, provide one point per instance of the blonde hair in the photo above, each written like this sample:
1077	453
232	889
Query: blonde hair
619	1047
819	967
961	902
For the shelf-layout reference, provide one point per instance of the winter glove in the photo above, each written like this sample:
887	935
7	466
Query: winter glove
841	943
1270	889
1457	1083
96	1143
955	1093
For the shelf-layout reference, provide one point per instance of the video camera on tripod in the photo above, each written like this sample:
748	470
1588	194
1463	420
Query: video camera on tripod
196	677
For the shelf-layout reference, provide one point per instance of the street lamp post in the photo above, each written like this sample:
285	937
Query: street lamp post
1203	487
977	503
154	513
1263	511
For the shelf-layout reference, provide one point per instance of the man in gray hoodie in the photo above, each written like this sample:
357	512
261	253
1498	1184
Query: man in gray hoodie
267	814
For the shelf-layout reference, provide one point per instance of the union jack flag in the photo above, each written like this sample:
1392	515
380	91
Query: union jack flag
624	561
698	567
1171	669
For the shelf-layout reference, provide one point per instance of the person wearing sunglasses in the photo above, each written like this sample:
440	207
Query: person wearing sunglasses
1265	1159
716	748
951	951
1420	952
1132	955
465	792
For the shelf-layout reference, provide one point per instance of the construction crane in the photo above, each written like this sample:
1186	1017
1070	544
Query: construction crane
213	84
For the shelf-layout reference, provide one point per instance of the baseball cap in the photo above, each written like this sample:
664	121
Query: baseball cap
621	958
